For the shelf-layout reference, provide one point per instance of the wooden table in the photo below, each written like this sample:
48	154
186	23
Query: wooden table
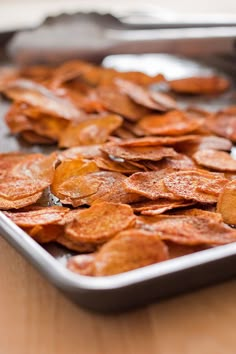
37	319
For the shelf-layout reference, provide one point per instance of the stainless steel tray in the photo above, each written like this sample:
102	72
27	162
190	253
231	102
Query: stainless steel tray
127	290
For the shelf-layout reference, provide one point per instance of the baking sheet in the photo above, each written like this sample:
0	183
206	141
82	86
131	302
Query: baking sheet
144	278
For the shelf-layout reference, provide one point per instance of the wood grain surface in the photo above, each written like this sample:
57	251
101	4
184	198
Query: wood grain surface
37	319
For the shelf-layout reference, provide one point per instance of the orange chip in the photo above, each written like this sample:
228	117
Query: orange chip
86	152
202	213
65	173
156	140
38	216
149	99
156	207
95	187
91	131
177	250
33	138
129	250
170	123
149	185
223	123
179	162
200	85
200	186
204	143
45	233
138	153
39	96
107	164
194	230
226	203
115	101
215	160
98	224
22	182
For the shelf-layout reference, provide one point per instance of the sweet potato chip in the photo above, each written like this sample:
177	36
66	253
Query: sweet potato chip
223	123
179	162
204	143
98	224
39	96
171	123
115	101
107	164
215	160
38	216
194	230
176	250
69	170
200	186
138	153
158	141
86	152
23	182
200	85
149	185
149	99
129	250
156	207
226	203
91	131
95	187
33	138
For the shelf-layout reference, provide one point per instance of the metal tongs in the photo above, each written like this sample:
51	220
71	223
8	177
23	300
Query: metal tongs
92	36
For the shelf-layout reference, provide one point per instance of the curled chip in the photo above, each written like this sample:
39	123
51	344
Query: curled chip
156	207
115	101
66	172
95	187
200	85
98	224
23	182
193	230
39	96
150	99
171	123
204	143
150	185
226	203
223	123
200	186
158	140
107	164
85	152
91	131
215	160
138	153
130	249
38	216
179	162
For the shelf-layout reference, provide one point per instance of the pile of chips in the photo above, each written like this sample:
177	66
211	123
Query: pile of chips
137	179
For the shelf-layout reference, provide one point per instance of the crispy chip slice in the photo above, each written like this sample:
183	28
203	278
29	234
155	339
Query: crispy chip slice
98	224
86	152
91	131
200	85
223	123
172	123
33	138
158	140
156	207
45	233
177	250
37	95
215	160
107	164
194	230
115	101
149	99
150	185
226	203
96	187
204	143
211	215
65	172
179	162
22	182
130	249
197	185
38	216
138	153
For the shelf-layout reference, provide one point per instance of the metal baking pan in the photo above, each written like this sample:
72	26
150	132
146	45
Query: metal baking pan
141	286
